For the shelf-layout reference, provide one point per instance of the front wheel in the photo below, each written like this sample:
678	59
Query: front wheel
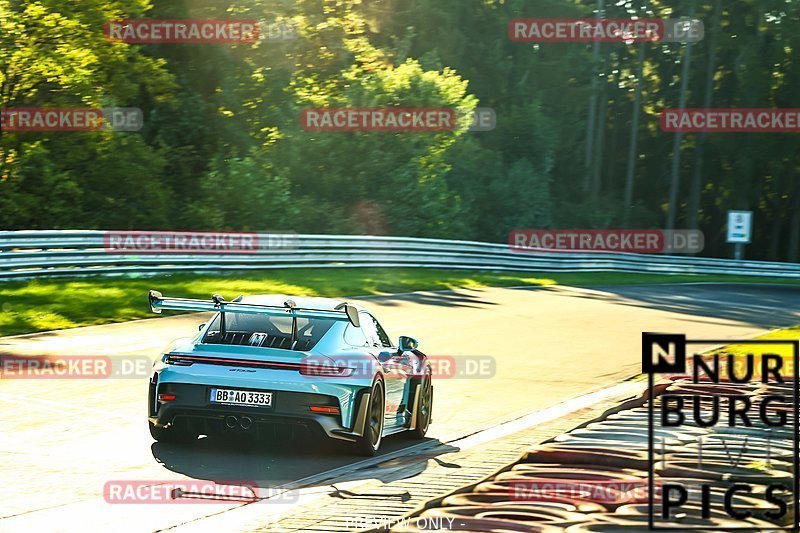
173	434
368	443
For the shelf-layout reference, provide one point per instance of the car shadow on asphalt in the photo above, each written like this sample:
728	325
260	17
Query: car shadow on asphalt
266	464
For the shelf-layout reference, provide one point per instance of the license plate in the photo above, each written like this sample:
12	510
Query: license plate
241	397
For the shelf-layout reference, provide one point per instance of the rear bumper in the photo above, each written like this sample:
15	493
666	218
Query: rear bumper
193	410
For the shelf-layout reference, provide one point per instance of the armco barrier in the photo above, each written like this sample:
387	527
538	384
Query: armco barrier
28	254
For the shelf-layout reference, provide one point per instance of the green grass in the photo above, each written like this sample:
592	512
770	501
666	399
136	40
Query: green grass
49	304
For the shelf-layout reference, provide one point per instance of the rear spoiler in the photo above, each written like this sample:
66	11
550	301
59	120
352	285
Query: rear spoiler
343	311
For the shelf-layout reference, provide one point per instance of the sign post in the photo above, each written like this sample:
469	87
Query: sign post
740	226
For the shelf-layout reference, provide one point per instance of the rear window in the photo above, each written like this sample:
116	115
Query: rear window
267	331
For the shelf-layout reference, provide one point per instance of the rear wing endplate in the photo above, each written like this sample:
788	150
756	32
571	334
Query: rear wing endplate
158	302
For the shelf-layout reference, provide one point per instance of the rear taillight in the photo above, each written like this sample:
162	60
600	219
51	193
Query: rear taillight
171	359
166	397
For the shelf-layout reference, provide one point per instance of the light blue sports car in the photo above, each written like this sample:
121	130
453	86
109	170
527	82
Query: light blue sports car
319	363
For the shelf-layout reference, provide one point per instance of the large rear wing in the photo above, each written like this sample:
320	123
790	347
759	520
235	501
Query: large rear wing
343	311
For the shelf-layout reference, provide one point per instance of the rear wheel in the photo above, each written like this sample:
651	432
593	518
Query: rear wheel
423	409
174	434
370	441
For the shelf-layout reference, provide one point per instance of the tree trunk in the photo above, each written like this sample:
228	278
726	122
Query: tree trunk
794	228
590	122
674	185
632	152
597	180
696	186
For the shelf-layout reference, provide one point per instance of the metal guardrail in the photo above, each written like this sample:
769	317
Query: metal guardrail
30	254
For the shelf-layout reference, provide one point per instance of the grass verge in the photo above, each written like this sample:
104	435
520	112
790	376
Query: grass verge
49	304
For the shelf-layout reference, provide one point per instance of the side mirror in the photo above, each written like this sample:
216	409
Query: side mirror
201	326
407	344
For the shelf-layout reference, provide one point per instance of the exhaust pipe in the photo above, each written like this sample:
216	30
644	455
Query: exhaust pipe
246	423
230	421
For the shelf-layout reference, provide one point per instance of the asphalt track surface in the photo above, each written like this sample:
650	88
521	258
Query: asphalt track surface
62	440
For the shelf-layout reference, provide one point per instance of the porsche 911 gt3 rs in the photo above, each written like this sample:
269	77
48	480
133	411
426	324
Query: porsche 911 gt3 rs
320	363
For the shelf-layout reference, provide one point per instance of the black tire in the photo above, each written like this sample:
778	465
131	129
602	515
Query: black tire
173	434
370	441
424	409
